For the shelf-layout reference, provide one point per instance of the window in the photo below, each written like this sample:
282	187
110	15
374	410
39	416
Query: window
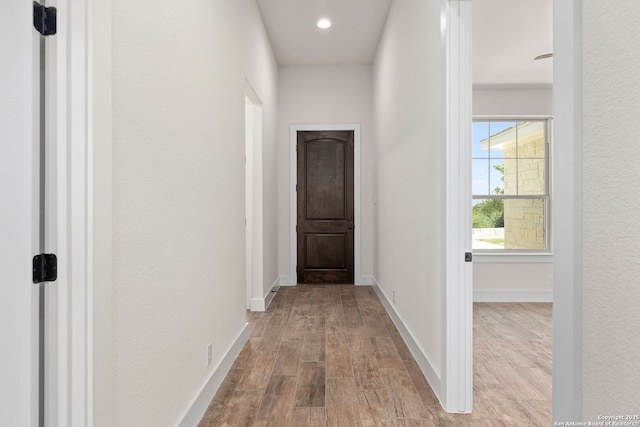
510	206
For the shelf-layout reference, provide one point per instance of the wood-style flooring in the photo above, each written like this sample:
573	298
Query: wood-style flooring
331	356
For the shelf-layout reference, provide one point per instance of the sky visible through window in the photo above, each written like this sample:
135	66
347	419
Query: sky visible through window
485	177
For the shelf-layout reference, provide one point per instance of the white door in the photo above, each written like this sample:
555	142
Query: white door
19	235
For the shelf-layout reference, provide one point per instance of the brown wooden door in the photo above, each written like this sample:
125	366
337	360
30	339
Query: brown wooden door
325	206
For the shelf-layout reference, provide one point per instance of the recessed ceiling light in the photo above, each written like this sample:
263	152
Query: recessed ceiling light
324	23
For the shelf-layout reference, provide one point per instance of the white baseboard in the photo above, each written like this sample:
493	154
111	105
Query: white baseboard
364	281
359	281
512	296
288	281
261	304
425	366
194	412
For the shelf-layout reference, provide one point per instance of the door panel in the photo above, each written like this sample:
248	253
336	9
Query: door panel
325	206
325	251
18	216
325	186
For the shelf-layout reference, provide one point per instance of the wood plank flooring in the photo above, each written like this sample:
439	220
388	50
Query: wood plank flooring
331	356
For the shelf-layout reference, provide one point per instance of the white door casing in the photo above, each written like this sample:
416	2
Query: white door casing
253	199
457	375
67	381
566	222
358	278
248	199
567	216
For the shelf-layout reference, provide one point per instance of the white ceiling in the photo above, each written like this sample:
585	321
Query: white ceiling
507	35
352	38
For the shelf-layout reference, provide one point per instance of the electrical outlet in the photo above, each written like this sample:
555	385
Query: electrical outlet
209	354
394	297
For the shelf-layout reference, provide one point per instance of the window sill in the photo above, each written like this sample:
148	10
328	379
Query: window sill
487	257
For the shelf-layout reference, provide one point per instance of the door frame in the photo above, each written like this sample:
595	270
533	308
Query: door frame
254	208
89	44
69	378
304	272
248	198
70	318
567	239
80	339
567	216
457	346
358	279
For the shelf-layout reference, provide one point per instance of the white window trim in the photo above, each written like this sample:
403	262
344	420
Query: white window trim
488	258
547	251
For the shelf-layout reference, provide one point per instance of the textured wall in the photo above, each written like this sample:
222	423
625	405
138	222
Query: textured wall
611	208
409	164
178	204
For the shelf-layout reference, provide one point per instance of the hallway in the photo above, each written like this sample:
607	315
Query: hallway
330	355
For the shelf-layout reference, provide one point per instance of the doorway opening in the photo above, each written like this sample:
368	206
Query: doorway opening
253	198
325	207
358	279
510	152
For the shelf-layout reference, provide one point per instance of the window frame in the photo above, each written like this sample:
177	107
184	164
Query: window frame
548	128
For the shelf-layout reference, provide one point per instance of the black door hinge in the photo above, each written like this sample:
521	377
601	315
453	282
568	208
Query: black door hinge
45	268
468	257
44	19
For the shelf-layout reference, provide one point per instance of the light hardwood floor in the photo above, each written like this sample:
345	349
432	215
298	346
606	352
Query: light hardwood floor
331	356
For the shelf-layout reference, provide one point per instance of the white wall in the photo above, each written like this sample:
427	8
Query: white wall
509	278
611	153
512	280
178	205
409	163
512	101
325	95
261	72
